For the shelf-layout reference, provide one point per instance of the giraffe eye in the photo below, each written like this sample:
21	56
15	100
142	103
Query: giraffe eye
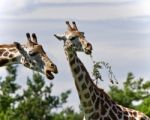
32	53
72	38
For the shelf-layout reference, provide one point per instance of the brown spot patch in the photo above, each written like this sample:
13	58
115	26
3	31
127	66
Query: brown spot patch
11	55
87	95
87	79
14	59
132	118
12	50
5	53
3	62
84	86
119	115
70	55
26	64
97	103
89	110
113	116
93	97
91	88
94	116
7	46
76	70
96	91
114	109
125	112
103	110
72	62
2	51
118	108
87	104
108	118
126	117
135	113
84	104
80	78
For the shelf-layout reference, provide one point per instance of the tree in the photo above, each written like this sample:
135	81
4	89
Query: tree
68	114
36	102
133	91
8	87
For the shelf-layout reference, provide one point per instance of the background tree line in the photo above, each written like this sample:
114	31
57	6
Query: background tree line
36	102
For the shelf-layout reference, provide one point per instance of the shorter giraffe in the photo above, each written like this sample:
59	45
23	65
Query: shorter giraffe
97	105
31	55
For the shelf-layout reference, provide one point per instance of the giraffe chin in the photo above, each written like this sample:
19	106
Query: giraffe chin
49	75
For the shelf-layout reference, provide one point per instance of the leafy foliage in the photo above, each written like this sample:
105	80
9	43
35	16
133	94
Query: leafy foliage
8	87
68	114
36	102
133	91
97	66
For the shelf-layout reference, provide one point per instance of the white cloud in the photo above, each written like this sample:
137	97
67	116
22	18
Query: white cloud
84	1
7	6
27	9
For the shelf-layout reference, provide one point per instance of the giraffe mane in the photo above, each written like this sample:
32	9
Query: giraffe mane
8	46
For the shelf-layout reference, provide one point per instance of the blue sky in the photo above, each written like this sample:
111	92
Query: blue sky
118	30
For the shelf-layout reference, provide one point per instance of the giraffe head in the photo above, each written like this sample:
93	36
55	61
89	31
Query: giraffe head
34	57
76	38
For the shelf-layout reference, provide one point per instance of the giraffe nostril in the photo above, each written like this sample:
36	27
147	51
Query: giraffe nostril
52	65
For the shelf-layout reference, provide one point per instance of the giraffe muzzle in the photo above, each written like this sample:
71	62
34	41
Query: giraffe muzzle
55	70
88	49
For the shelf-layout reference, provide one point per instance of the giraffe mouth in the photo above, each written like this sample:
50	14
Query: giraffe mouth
49	75
88	52
88	49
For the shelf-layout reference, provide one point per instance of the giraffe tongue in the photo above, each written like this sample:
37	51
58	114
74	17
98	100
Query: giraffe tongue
49	75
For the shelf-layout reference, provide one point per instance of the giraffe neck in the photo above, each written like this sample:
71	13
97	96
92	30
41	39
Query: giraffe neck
97	105
86	88
9	55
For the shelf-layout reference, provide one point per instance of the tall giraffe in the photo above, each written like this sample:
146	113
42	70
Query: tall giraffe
31	55
97	105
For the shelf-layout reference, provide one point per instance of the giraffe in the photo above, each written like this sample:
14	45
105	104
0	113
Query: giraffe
96	103
31	55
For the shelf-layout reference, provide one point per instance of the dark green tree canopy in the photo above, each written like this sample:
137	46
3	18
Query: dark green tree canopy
34	103
134	90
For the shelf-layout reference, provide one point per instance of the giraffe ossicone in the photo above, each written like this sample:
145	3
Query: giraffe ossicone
97	105
31	55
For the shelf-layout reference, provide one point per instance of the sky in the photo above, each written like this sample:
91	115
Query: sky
118	30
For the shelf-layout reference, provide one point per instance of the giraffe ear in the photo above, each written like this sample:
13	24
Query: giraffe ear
20	49
74	25
18	45
69	26
34	38
60	37
29	42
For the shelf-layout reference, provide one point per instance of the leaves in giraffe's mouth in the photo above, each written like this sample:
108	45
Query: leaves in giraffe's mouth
97	66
